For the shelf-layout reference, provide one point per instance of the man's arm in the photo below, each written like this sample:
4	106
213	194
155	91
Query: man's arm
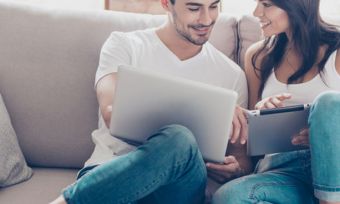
236	162
105	91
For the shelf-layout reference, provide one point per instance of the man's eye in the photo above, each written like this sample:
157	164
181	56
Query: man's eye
214	7
193	9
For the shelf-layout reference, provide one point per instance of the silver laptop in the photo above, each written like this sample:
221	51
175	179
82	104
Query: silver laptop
271	130
146	101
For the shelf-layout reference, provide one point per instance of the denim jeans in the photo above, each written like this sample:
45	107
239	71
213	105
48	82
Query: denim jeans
168	168
299	177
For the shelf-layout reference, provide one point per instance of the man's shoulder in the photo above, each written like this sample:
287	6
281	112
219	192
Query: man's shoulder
222	60
136	35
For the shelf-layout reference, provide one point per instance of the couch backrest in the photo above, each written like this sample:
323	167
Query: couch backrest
48	60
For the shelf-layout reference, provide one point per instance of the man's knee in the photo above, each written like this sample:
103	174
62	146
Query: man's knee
179	137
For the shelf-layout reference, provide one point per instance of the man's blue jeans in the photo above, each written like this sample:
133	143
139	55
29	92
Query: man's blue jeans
168	168
299	177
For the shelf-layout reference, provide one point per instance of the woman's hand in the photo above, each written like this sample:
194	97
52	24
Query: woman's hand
223	172
302	138
273	101
239	126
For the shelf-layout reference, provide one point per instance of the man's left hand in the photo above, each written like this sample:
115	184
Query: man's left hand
223	172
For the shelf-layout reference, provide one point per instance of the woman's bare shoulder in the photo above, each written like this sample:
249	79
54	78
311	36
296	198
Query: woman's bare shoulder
251	51
337	61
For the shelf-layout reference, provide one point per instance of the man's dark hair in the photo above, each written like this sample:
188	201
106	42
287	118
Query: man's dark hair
172	1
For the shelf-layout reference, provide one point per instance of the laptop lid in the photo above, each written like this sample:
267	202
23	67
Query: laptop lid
271	130
146	101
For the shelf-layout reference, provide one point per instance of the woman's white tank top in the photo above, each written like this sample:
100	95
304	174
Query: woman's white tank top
306	92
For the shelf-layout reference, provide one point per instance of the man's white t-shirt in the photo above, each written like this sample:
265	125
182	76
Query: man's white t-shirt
144	50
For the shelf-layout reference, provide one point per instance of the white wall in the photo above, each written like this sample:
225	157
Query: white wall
72	4
233	7
239	7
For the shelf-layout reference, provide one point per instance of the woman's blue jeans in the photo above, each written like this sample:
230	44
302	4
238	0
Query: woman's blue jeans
299	177
168	168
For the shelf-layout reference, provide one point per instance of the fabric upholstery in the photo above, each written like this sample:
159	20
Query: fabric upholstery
45	185
249	32
13	167
49	58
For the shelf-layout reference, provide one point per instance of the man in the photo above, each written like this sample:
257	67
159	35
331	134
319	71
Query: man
168	168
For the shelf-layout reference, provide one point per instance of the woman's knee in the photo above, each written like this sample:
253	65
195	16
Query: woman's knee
326	103
232	192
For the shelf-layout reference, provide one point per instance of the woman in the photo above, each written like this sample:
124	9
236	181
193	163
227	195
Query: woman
298	62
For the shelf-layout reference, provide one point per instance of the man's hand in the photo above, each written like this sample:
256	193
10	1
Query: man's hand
273	101
302	138
223	172
105	89
240	126
107	115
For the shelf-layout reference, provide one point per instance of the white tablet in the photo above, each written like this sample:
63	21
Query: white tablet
271	130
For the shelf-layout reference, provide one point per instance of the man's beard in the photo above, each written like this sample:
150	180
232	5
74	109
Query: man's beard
186	35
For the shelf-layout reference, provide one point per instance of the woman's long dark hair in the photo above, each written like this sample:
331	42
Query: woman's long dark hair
309	32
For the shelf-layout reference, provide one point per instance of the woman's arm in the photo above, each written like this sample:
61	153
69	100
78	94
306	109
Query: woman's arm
337	61
252	75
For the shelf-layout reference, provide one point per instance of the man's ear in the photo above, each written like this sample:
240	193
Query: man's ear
165	4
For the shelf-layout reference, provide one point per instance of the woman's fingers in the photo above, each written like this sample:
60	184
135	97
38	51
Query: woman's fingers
284	96
273	102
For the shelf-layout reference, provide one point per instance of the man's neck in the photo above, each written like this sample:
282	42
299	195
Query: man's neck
182	48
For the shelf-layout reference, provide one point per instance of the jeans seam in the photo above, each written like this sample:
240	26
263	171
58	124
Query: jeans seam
258	186
178	165
327	188
124	200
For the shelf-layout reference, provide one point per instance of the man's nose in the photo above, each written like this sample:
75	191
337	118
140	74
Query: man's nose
206	18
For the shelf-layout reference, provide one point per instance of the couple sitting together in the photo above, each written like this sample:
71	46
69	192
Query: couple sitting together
298	62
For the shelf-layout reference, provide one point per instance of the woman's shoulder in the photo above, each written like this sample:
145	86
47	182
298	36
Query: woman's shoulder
337	60
251	51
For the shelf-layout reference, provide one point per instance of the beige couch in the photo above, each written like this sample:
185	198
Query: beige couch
48	60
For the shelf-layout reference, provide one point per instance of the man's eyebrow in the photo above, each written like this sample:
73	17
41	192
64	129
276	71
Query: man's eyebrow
198	4
193	4
216	2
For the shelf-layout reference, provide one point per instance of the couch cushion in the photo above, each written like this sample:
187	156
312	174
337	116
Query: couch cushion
47	184
42	188
249	32
48	59
13	167
224	36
